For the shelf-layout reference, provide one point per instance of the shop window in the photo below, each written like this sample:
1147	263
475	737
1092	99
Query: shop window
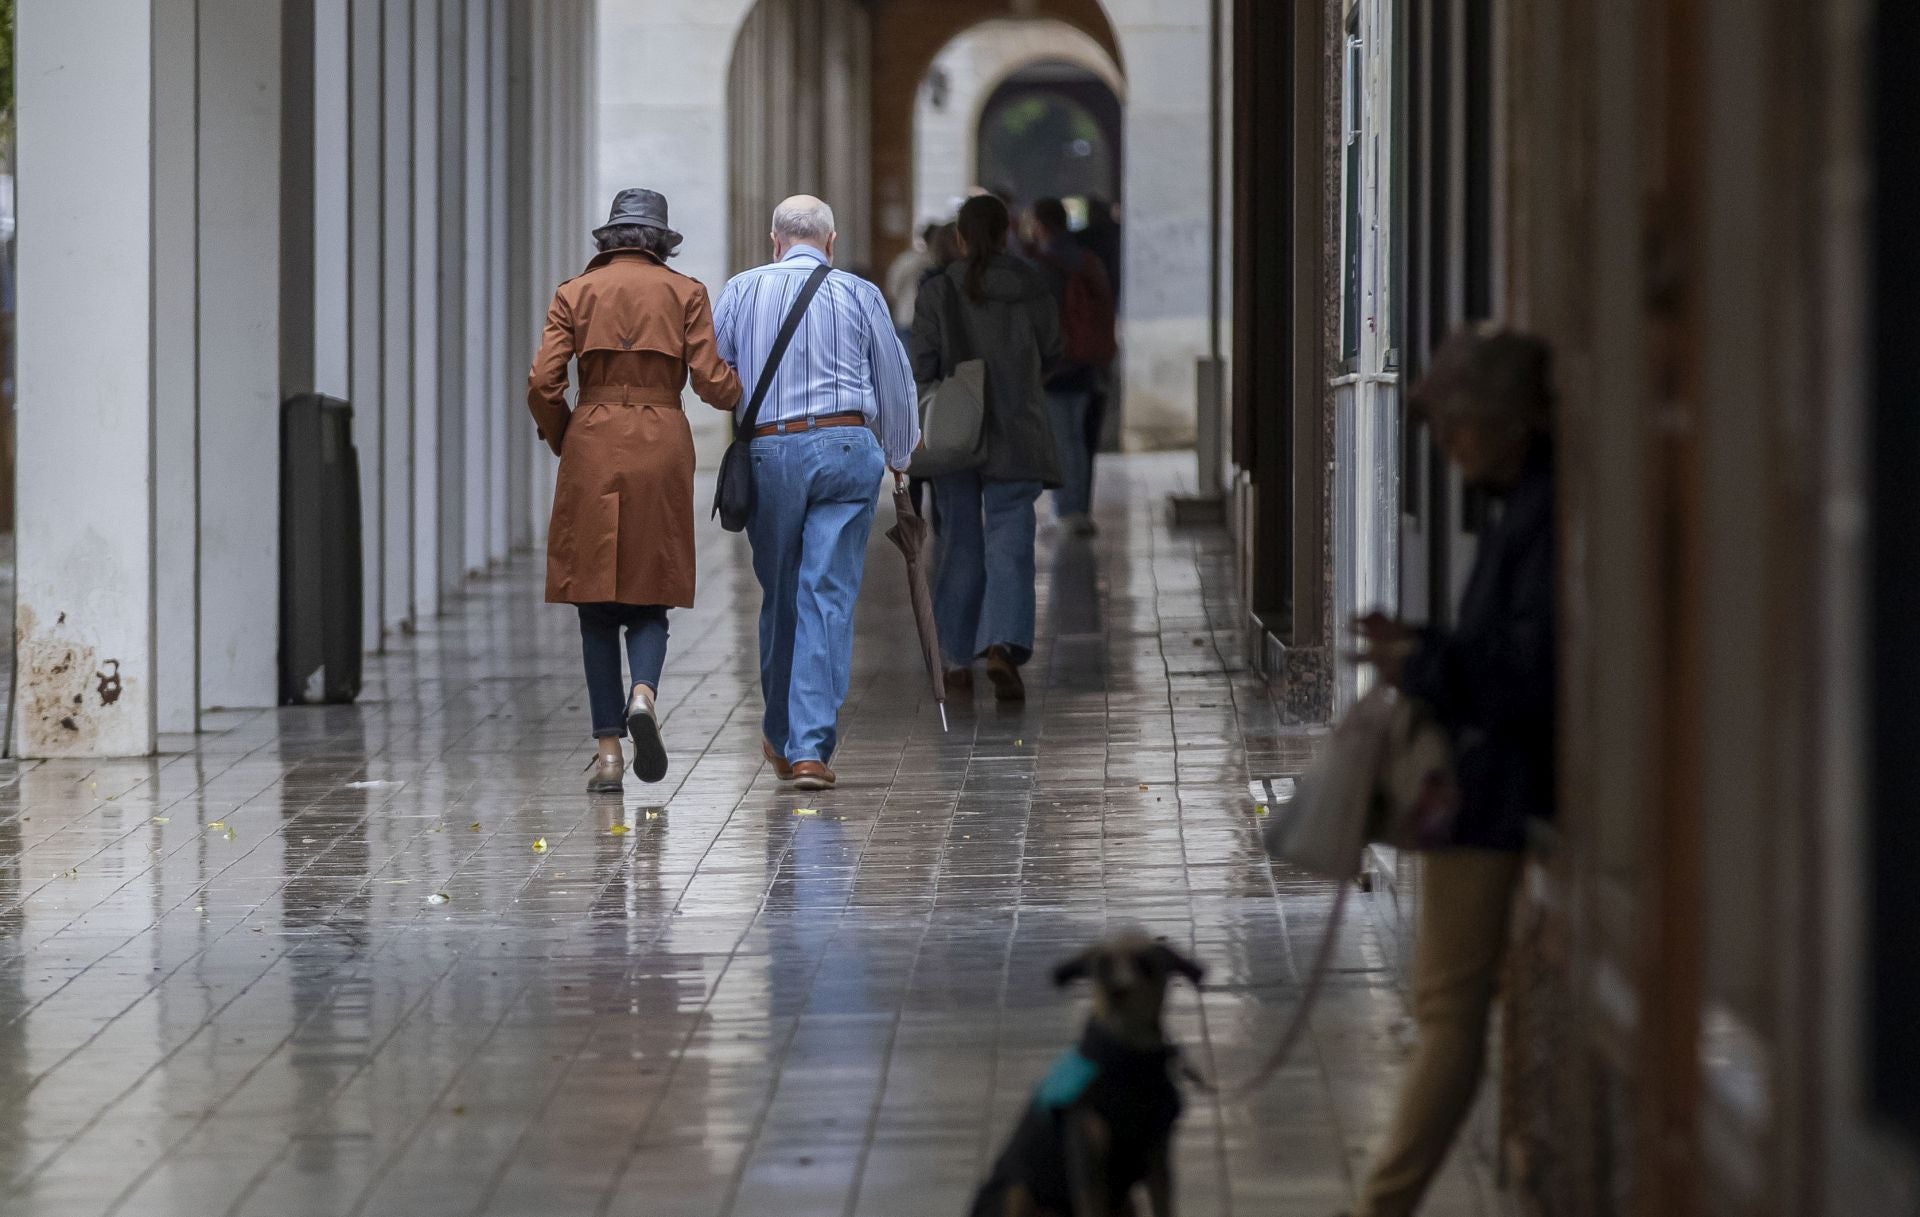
1350	298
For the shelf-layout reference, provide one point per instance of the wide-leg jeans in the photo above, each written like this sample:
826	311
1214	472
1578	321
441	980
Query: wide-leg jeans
983	557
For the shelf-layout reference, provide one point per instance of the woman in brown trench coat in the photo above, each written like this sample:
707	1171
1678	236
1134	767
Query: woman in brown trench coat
620	544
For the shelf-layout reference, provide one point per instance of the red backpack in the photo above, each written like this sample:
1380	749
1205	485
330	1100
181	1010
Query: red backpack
1087	319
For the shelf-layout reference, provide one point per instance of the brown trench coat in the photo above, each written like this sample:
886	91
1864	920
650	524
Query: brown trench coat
622	525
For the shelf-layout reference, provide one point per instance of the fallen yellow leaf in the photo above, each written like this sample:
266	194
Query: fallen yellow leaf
540	846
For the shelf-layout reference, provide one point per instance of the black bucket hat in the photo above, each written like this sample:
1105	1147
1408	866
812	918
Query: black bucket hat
643	207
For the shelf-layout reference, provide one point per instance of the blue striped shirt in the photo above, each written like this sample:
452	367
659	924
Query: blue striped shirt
845	358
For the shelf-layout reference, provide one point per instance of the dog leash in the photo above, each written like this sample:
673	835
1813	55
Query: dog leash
1296	1028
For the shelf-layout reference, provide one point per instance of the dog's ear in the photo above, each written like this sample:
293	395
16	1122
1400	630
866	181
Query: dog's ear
1177	962
1069	970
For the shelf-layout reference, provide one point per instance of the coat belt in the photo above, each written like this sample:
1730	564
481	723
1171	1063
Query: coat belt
626	395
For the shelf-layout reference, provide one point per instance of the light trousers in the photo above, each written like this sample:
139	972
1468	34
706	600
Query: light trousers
1466	898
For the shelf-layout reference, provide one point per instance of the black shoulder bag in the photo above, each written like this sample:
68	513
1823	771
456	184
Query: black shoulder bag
733	489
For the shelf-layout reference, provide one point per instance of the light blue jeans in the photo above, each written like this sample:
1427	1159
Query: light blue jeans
814	493
983	555
1069	411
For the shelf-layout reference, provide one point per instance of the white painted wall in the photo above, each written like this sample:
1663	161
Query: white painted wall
239	352
663	120
1164	321
85	424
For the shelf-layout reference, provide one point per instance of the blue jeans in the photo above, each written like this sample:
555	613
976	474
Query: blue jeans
814	493
983	559
600	626
1069	411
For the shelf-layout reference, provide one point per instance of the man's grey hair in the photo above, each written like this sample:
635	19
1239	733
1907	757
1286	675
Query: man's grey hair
803	218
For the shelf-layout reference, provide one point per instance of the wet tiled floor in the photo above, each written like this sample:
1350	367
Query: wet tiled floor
230	984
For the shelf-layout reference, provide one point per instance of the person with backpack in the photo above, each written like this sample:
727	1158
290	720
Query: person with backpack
1084	297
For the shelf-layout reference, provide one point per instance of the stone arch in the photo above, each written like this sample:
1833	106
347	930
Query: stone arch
907	36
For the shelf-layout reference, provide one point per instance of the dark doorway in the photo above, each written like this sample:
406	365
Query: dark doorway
1051	130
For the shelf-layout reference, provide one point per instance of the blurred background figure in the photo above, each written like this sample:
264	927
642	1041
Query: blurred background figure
993	307
1084	298
904	276
943	250
1489	680
1102	238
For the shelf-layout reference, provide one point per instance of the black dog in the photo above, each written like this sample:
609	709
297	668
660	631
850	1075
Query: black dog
1101	1120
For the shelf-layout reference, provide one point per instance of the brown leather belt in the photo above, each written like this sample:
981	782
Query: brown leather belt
812	423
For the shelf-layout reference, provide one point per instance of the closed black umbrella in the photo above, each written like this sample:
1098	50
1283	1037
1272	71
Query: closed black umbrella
912	534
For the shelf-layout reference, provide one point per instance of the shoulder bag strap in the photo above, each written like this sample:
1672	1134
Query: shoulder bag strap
782	341
960	339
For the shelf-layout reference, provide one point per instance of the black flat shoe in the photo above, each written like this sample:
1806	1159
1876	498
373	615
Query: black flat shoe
1005	675
649	750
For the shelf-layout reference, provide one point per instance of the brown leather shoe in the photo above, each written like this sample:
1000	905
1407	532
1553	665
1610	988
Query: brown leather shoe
813	775
959	681
1005	675
781	769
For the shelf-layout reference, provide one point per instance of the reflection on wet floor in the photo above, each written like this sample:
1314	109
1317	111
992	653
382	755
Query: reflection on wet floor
229	983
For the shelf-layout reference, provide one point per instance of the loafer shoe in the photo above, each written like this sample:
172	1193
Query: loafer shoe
813	775
609	775
781	769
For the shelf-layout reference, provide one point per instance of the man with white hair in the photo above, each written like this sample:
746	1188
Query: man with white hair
838	411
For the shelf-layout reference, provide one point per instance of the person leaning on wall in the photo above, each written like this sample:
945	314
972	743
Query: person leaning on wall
1490	682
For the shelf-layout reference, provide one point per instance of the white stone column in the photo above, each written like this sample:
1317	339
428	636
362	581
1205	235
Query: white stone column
332	172
86	426
364	300
240	148
520	274
425	291
451	441
544	272
176	375
498	399
396	347
474	328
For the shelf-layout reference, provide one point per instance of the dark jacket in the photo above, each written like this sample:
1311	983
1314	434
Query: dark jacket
1015	328
1490	679
1058	261
1130	1088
